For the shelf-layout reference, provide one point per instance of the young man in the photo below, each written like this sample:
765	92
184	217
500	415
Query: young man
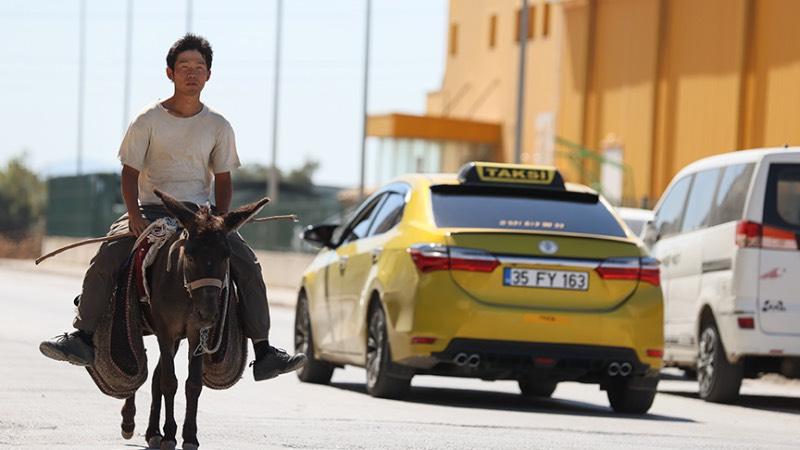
181	147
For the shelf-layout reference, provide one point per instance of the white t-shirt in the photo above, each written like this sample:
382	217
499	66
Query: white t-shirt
178	155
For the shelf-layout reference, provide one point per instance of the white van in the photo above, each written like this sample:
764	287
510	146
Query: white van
635	218
726	232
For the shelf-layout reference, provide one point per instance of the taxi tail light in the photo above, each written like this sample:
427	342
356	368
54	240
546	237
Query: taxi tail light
641	269
755	235
430	258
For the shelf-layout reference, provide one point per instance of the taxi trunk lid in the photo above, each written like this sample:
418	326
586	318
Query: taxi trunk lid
546	271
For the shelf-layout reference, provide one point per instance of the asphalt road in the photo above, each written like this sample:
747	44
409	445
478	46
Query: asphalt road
46	404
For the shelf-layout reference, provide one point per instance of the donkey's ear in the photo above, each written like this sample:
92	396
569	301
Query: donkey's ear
238	217
185	216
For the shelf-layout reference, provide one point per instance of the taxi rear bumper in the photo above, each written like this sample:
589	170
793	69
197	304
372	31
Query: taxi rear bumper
511	360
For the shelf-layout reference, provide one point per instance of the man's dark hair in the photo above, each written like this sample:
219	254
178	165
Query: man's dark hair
190	42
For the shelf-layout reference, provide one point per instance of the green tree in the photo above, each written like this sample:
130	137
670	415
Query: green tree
304	174
22	198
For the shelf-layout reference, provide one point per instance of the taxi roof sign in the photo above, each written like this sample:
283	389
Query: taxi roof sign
511	174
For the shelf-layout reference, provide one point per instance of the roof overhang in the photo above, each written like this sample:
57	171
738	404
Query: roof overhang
406	126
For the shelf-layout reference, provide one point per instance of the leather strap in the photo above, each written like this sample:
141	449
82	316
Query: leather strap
202	282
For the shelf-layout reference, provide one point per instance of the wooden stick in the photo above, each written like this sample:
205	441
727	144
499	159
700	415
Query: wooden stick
291	217
84	242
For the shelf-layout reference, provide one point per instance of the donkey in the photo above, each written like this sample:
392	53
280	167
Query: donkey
184	300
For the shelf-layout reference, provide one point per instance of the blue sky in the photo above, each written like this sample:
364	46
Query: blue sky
320	89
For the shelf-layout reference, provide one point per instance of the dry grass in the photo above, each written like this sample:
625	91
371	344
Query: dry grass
26	247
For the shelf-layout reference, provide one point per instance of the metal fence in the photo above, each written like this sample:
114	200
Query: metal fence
85	206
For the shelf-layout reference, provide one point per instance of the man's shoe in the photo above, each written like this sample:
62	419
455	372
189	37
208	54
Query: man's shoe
75	348
272	362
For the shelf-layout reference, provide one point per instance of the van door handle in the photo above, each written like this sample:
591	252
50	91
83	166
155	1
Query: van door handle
342	264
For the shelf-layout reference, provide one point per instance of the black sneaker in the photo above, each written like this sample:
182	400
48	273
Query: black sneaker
272	362
75	348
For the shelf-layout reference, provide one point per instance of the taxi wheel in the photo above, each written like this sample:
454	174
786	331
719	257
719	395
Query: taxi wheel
378	361
537	389
315	370
625	400
719	380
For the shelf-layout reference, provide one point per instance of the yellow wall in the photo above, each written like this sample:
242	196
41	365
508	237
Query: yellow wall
773	76
620	95
672	80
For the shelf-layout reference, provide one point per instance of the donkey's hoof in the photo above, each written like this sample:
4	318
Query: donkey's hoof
127	434
190	446
168	445
154	441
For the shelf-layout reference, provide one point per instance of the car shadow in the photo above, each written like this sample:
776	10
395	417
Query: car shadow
502	401
774	403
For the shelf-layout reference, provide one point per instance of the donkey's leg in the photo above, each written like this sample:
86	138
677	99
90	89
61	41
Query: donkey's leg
128	414
153	434
194	385
169	385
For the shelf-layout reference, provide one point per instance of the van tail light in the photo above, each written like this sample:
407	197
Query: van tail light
431	257
746	322
642	269
755	235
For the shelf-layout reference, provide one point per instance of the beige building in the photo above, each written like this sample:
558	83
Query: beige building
618	93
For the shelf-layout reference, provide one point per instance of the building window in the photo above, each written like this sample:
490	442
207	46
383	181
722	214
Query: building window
531	23
453	39
492	31
546	20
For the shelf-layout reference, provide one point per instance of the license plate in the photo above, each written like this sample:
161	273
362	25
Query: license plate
548	279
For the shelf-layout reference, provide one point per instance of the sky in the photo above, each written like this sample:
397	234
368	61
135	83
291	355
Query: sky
320	90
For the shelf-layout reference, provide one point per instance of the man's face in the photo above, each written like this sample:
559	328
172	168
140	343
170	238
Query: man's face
190	73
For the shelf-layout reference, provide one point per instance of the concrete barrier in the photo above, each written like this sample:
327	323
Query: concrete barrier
280	269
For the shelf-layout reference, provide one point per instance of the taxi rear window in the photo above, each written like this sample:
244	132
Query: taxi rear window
456	206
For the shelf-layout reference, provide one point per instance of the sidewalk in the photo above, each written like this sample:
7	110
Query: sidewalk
279	296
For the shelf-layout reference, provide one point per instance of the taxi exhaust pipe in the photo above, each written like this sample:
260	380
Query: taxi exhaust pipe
613	369
461	359
474	361
625	369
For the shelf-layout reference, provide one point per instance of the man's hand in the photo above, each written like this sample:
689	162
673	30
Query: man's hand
137	224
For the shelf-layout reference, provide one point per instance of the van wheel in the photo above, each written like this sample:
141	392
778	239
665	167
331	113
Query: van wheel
719	379
537	388
625	400
379	359
315	370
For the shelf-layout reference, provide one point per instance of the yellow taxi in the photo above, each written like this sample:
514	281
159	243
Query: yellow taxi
499	272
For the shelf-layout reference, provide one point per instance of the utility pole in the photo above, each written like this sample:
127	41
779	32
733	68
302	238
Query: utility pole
364	105
189	5
272	187
126	95
523	40
81	81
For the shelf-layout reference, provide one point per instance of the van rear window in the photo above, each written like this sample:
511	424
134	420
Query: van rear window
546	211
782	202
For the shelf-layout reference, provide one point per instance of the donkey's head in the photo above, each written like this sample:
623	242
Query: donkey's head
206	252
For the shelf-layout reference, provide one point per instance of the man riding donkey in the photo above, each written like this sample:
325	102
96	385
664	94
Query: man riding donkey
179	146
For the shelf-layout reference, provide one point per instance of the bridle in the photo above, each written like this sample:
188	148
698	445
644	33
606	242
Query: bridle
200	282
223	285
